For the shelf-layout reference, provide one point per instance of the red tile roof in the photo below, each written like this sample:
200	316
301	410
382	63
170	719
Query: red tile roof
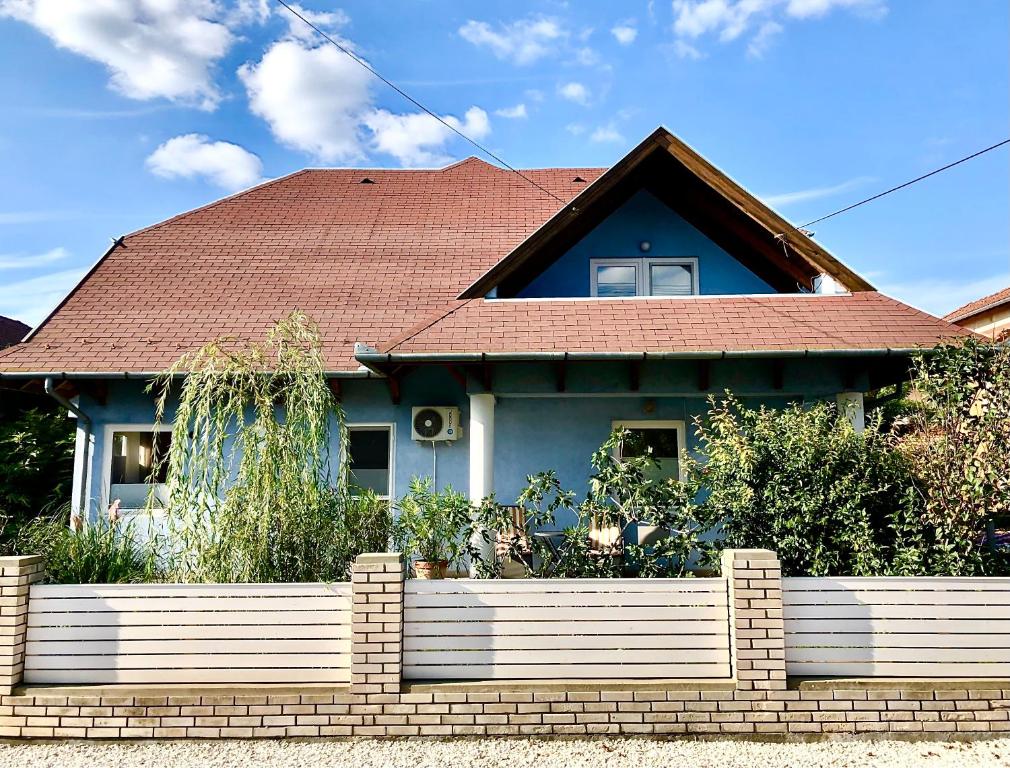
979	305
364	260
866	320
369	261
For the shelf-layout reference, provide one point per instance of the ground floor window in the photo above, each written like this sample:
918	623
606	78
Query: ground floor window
667	439
133	454
371	457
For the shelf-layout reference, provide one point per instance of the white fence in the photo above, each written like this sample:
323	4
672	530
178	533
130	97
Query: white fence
560	628
897	627
183	633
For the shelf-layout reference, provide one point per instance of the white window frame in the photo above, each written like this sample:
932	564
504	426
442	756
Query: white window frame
373	425
108	431
642	265
676	424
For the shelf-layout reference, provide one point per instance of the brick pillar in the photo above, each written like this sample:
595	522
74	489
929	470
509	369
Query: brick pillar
757	641
377	623
17	574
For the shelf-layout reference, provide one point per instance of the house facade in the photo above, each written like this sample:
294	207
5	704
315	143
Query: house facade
527	315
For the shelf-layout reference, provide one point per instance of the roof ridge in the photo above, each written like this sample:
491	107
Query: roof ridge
423	325
983	304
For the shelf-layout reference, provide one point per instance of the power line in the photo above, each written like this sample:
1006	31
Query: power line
346	51
906	184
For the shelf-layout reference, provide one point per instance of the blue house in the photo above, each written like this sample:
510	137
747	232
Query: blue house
479	325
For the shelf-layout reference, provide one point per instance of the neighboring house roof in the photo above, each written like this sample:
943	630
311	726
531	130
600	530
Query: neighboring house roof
371	253
977	307
11	331
728	324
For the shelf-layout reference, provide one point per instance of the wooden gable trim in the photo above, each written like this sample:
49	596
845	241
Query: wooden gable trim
810	259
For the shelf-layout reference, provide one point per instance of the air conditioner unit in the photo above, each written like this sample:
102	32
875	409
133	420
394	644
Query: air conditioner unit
435	423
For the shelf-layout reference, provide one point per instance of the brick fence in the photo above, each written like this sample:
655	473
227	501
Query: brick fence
757	701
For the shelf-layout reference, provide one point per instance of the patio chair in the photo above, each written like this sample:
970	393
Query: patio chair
514	542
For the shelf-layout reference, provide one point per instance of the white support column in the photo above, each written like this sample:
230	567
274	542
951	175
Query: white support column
481	437
850	405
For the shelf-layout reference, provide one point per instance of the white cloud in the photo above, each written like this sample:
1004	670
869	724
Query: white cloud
30	300
606	134
815	193
575	92
940	296
328	21
586	56
730	19
311	97
576	129
418	139
535	94
522	42
762	41
28	261
152	48
192	155
512	113
625	32
685	50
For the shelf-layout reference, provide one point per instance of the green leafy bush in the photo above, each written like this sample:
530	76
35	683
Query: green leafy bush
36	467
800	481
101	552
432	526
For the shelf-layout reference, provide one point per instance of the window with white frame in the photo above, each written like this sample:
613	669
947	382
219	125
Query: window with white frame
647	276
371	458
134	465
665	439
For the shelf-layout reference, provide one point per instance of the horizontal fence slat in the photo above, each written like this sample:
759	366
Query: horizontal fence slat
897	669
568	656
545	586
503	642
562	600
533	614
560	628
897	627
181	618
568	671
190	632
68	648
187	633
313	589
192	661
182	677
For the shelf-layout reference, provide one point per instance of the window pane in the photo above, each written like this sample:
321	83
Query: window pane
369	459
670	280
134	455
616	280
665	450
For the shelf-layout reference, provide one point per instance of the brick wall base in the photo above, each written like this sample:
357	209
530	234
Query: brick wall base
583	710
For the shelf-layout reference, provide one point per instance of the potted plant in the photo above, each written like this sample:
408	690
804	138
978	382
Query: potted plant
432	528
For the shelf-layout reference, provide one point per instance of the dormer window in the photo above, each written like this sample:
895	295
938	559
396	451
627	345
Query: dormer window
622	278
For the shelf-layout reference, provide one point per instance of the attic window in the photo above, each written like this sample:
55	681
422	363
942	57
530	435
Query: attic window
623	277
366	180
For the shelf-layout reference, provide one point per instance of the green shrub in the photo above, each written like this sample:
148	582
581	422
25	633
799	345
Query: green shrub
36	467
101	552
800	481
433	526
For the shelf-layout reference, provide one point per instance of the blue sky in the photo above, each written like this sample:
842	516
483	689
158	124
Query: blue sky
122	113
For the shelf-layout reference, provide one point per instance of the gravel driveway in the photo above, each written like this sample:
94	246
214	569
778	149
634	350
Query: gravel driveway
515	753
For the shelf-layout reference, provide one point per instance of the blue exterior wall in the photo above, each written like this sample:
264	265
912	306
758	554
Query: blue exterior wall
536	428
645	217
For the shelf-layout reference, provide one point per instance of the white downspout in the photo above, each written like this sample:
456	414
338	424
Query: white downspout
481	437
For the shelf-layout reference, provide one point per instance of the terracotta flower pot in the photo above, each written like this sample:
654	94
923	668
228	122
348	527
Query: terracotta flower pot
426	570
